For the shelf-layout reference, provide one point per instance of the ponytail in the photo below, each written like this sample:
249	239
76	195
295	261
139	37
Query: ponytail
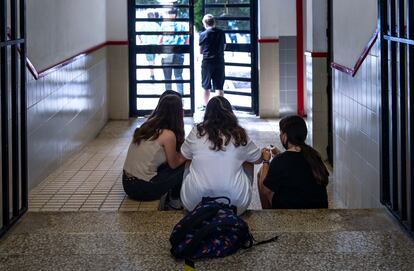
319	171
295	129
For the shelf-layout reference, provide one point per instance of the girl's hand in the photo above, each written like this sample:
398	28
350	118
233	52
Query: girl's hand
266	154
274	150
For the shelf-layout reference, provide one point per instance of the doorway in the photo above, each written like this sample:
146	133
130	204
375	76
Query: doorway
162	51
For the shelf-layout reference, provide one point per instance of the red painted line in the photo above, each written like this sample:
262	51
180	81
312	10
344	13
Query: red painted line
267	40
317	54
299	54
40	74
342	68
117	42
361	59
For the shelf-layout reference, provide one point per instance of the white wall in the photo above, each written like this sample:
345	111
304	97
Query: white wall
117	20
319	25
59	29
277	18
354	23
67	107
356	106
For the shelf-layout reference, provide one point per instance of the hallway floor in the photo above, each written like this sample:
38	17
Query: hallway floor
308	240
91	179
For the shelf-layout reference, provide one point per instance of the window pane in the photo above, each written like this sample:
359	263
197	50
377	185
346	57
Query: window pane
233	24
237	100
159	88
239	86
237	57
236	71
163	59
159	13
159	74
151	103
243	12
163	27
227	1
163	2
238	38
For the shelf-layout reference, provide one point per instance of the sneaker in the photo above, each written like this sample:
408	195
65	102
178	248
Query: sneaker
202	108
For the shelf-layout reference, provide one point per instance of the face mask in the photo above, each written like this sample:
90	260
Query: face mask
284	142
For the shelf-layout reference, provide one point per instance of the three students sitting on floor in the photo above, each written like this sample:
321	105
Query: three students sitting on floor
217	148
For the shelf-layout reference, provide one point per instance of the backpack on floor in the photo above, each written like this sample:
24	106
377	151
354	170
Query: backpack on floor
211	230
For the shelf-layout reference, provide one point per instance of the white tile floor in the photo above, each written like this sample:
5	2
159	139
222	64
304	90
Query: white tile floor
91	179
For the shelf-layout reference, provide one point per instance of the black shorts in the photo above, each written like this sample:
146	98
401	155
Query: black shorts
212	72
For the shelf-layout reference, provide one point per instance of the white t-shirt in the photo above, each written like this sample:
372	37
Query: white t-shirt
217	173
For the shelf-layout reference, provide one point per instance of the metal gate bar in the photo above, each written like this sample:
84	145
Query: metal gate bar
13	113
396	22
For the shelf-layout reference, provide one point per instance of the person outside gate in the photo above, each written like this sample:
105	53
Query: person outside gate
212	44
150	39
173	58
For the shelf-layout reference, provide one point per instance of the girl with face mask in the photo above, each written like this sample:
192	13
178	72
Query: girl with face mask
296	178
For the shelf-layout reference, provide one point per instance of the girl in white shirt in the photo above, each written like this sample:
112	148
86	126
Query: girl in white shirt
217	148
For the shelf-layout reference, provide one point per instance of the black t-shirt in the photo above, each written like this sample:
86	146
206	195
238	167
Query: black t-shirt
290	178
212	43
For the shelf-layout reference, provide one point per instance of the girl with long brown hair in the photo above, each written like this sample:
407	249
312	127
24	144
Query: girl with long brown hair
153	165
296	178
217	148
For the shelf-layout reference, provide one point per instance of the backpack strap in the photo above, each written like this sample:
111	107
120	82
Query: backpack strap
205	214
266	241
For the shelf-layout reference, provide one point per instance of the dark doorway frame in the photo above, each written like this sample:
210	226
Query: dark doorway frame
329	87
14	186
251	48
157	49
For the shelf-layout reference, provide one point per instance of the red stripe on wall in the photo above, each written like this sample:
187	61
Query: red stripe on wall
299	53
39	74
317	54
267	40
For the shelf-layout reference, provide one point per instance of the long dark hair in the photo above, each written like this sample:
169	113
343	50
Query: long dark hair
165	93
168	115
220	121
295	129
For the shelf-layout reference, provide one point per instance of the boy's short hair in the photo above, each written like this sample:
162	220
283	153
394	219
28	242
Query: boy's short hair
209	20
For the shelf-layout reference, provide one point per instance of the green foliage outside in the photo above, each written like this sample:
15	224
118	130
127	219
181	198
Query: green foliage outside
198	15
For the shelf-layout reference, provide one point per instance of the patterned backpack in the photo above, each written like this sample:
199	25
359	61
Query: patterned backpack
211	230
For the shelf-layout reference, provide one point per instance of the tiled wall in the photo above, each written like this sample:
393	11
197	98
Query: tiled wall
317	103
288	88
269	79
118	82
356	112
65	110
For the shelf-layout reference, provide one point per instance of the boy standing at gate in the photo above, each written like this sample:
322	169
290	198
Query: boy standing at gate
212	45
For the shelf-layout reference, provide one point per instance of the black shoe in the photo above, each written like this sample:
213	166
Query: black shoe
174	204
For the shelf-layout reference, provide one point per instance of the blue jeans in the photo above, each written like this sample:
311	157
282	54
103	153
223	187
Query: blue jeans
178	59
166	180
